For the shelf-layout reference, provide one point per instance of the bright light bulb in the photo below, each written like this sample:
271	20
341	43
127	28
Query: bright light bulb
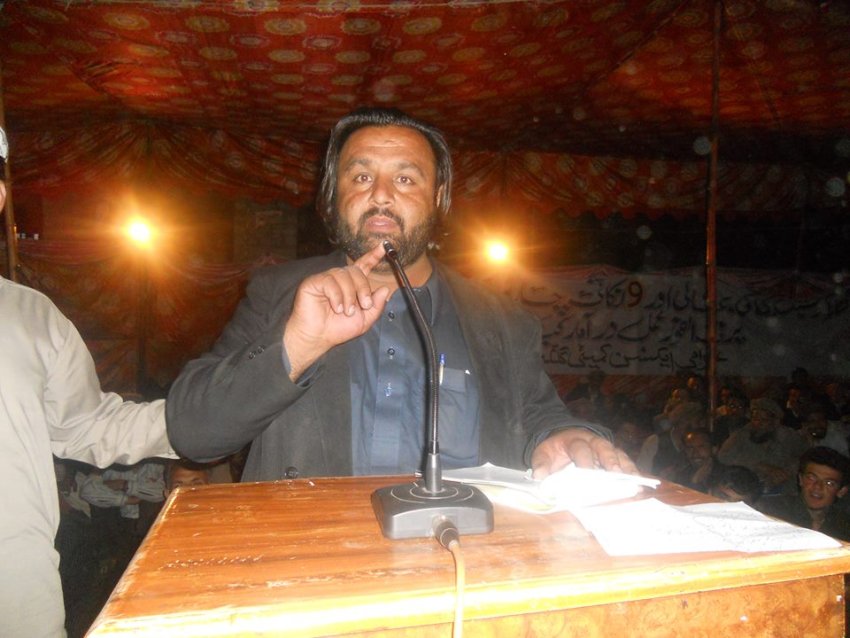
497	251
139	231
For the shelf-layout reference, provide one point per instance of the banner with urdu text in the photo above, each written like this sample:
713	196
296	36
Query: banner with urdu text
655	323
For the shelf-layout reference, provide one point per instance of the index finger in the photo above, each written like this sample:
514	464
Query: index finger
371	259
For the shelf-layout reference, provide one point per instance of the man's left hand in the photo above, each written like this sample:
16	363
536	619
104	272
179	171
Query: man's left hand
579	446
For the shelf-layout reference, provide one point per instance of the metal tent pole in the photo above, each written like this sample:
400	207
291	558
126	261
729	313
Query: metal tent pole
711	223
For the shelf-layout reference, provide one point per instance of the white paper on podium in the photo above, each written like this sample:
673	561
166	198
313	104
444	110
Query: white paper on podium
651	527
569	489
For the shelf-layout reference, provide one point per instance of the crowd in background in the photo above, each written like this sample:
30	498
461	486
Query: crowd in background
784	452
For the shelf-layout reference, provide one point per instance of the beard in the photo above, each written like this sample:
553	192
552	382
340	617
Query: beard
410	244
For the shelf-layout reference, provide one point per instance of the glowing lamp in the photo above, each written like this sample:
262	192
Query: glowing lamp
140	232
497	251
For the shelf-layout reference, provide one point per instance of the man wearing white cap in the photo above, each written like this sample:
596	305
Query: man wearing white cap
50	404
765	446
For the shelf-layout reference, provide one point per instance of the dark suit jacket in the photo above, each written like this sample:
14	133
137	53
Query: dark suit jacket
239	392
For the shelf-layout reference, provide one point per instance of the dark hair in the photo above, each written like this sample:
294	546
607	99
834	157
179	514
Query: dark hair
735	391
827	456
186	464
326	198
740	479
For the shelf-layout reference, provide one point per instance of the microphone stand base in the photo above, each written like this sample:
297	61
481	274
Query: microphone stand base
410	511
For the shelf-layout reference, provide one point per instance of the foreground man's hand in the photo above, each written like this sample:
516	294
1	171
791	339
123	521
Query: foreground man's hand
579	446
331	308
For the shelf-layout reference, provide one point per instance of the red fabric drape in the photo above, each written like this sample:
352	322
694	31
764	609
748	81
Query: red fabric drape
175	158
98	286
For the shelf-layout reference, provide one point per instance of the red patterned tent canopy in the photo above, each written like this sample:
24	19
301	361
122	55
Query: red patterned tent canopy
569	106
592	105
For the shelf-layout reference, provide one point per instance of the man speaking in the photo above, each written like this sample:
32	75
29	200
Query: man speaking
321	368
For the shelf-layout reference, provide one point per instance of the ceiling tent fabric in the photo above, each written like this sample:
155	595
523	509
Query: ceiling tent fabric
596	106
552	108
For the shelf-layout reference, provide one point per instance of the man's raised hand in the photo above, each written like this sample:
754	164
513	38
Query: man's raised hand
330	308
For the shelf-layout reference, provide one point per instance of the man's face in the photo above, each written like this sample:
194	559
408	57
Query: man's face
187	477
697	449
386	189
734	406
628	436
815	426
820	486
763	425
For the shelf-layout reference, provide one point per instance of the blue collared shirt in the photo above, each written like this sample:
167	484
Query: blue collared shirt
389	388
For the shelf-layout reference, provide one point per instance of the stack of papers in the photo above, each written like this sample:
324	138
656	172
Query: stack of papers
652	527
639	527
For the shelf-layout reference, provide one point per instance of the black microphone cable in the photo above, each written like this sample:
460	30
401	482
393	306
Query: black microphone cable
448	536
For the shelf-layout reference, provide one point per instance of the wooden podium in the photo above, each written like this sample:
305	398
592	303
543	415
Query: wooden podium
306	558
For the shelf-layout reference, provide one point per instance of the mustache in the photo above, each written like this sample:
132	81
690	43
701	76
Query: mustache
383	212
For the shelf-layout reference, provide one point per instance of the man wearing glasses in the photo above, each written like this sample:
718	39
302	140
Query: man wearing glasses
822	480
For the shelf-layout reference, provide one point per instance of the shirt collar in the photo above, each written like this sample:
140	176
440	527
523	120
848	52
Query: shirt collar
433	289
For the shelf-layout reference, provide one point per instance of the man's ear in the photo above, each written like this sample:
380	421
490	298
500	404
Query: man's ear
2	193
840	493
438	196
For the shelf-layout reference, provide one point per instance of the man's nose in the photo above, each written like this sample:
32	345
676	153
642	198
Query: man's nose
382	191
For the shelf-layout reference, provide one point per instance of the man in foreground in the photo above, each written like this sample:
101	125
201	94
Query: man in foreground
50	404
321	368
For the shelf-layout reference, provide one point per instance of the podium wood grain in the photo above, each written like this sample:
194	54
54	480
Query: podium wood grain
306	558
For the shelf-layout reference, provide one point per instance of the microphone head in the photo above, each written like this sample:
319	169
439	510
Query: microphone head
390	250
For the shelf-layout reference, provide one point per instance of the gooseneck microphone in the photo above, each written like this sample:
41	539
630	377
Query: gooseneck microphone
412	510
432	472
